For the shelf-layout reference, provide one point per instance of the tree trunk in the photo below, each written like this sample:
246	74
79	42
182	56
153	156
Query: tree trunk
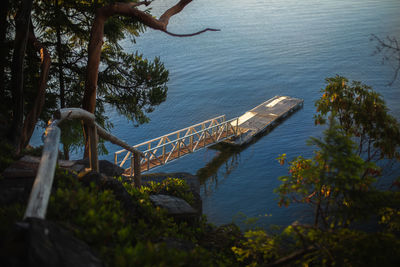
33	115
17	77
96	42
66	151
3	46
60	57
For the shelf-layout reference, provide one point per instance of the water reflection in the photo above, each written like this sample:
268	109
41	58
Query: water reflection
229	156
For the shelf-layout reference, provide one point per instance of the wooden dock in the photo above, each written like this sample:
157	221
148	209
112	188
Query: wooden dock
263	117
238	131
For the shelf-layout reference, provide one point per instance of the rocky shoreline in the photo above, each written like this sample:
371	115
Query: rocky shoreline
48	244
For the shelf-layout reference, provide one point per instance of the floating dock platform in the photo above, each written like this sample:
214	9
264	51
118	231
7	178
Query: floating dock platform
263	117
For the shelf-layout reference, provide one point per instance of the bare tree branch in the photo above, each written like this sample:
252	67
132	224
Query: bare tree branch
190	34
390	49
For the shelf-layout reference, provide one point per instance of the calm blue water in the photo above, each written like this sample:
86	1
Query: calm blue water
265	48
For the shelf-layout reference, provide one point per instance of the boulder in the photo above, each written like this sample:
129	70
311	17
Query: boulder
176	207
37	242
105	167
190	179
25	167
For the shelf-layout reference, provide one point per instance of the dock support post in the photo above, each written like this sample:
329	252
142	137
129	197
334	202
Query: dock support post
136	166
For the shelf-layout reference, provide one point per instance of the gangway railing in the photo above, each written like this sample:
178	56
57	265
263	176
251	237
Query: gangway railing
169	147
40	193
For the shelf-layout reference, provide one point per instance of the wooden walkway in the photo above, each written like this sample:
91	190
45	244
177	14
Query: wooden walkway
237	131
164	149
177	153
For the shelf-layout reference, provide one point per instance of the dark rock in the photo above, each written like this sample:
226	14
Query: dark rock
120	193
105	167
65	163
25	167
92	177
190	179
77	168
37	242
176	207
15	190
110	169
178	244
109	183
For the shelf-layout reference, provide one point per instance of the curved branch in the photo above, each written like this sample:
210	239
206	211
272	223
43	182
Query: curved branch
191	34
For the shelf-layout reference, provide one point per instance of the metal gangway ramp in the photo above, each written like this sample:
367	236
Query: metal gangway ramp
169	147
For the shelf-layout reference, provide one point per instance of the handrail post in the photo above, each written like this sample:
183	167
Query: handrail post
163	152
191	139
93	140
136	166
132	167
41	189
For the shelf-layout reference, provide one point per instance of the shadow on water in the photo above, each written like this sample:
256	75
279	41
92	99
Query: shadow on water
228	158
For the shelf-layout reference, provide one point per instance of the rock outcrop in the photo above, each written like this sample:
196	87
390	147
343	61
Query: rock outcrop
36	242
176	207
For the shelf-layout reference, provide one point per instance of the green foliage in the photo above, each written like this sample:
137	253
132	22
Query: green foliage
131	238
9	214
258	247
6	155
171	186
362	113
332	181
150	254
338	182
346	247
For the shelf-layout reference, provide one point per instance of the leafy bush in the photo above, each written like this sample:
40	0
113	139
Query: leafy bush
126	238
6	155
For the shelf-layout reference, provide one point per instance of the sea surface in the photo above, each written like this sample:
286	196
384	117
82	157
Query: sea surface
264	48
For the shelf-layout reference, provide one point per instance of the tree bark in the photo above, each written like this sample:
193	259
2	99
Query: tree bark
17	77
33	115
3	46
60	57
